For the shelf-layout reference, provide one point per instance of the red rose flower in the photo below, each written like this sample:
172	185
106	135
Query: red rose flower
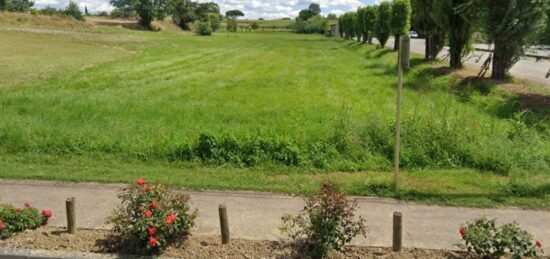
148	188
17	209
140	182
538	244
2	226
170	218
47	213
27	205
153	242
462	231
152	231
153	205
148	213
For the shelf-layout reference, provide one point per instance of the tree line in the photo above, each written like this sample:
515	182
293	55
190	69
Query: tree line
23	6
508	25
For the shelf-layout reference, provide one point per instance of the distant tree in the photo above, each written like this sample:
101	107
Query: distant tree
203	9
400	20
428	28
232	16
203	28
382	28
508	25
341	26
103	14
215	20
459	29
545	34
360	24
184	13
20	6
3	5
369	22
161	8
261	19
348	25
146	11
313	10
48	10
332	17
254	26
86	10
73	11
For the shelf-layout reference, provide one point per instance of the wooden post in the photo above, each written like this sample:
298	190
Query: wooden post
397	232
224	224
403	62
71	215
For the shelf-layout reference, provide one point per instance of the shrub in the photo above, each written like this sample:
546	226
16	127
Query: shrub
13	220
326	223
73	11
151	217
203	29
485	239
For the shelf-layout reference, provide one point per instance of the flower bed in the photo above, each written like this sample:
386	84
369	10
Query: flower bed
14	220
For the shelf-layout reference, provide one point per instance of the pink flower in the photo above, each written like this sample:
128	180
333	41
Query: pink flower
153	205
148	188
462	231
27	205
17	209
170	218
2	226
47	213
140	182
538	244
148	213
152	231
153	242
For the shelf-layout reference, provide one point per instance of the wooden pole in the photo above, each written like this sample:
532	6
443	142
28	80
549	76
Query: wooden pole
224	224
402	63
71	215
397	232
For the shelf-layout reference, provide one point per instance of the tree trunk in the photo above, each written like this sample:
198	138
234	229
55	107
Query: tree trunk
396	42
359	37
499	65
456	58
370	39
428	53
365	38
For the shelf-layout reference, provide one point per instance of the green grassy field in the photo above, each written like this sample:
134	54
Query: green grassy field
269	112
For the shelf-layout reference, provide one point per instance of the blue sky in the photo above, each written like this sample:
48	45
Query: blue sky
268	9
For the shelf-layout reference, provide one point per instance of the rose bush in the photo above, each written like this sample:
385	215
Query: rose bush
151	217
326	223
485	239
13	220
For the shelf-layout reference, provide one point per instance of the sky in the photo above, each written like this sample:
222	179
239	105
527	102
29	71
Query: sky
253	9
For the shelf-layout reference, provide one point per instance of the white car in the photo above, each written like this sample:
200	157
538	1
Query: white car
413	34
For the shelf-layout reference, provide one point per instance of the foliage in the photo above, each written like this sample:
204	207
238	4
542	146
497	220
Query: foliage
315	24
231	19
348	25
313	10
151	217
146	12
485	239
459	29
428	28
400	19
20	6
382	29
254	26
332	17
368	21
326	223
215	20
13	220
508	24
4	5
123	8
186	12
544	37
234	14
73	11
203	28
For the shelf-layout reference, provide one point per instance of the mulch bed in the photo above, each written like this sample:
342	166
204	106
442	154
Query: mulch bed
94	241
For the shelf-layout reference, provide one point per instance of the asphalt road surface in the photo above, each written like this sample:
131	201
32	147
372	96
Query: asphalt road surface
527	68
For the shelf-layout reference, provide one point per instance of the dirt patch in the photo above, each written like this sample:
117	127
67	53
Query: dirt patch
49	238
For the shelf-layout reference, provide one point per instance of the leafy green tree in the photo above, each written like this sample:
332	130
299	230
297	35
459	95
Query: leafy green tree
123	8
20	6
369	22
360	25
313	10
215	20
3	5
508	25
545	35
348	25
254	26
428	28
332	17
400	20
184	13
341	26
73	11
146	11
203	29
232	16
459	30
382	29
86	10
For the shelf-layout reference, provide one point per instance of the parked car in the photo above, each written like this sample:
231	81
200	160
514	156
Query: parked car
413	34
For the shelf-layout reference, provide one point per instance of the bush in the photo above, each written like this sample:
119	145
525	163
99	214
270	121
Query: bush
73	11
13	220
487	240
203	29
326	223
151	217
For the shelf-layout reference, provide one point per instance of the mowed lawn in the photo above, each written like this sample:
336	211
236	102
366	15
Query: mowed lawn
280	112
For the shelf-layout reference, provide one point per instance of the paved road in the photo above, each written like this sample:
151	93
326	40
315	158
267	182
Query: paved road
257	215
527	68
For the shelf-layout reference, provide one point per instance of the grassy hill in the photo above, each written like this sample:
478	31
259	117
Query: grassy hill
274	112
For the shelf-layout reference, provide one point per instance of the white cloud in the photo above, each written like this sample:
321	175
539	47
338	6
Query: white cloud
253	9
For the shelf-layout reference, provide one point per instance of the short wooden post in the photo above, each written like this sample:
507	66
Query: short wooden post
397	232
71	215
224	224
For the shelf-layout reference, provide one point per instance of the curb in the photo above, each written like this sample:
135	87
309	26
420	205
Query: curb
15	253
524	55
